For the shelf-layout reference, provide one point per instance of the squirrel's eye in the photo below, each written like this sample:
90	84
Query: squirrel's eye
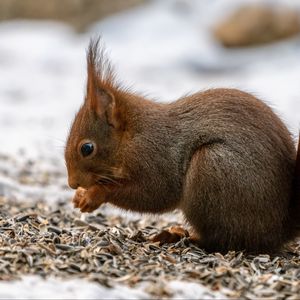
87	149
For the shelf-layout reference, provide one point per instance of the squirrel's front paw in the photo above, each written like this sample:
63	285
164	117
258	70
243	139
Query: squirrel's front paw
79	195
83	200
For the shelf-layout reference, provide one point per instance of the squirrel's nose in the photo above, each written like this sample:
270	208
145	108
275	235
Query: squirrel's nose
73	184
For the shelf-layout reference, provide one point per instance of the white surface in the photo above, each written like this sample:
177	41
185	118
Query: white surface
33	287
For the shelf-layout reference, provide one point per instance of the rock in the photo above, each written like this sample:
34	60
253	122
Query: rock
79	13
257	24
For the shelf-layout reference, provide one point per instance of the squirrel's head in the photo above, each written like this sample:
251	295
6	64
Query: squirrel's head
92	145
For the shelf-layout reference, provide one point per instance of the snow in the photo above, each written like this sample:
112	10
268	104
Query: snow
33	287
162	49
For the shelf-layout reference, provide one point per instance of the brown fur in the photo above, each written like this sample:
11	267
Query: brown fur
222	156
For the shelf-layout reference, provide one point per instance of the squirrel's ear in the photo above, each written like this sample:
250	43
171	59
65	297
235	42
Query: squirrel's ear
104	104
99	82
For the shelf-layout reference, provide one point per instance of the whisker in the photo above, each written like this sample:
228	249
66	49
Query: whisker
110	174
109	168
105	179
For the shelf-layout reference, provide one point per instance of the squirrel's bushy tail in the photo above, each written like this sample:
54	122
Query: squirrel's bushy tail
295	204
297	175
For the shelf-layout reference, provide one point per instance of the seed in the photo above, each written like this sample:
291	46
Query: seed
49	239
54	229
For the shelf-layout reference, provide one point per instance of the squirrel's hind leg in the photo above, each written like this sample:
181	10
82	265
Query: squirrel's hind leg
228	202
209	203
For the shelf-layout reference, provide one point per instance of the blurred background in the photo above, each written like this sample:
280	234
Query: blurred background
164	48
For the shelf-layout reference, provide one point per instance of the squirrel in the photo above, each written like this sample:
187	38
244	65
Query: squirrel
221	156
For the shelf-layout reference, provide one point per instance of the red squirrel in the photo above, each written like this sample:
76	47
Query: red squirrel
221	156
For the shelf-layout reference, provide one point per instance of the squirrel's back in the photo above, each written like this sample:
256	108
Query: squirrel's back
236	119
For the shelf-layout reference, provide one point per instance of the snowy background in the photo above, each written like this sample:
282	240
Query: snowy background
164	49
159	48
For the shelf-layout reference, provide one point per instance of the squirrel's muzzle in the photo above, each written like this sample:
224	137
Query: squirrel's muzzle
73	183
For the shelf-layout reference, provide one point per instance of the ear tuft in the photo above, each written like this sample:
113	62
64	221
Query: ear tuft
101	83
99	68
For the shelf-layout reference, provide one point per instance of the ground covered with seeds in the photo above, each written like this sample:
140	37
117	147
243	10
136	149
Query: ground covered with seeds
50	238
